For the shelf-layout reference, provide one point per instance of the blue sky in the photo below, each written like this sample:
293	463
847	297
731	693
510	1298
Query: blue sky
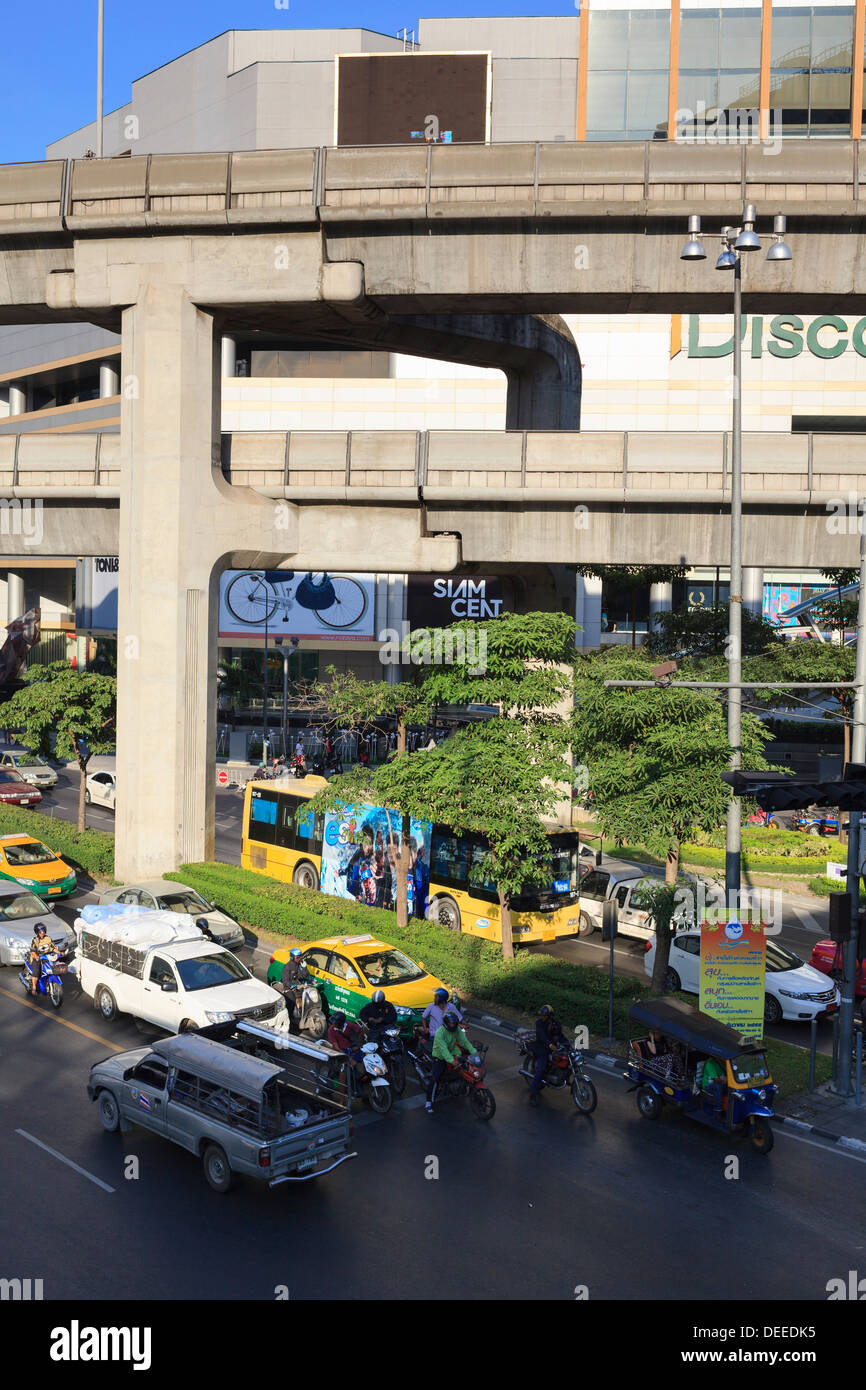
48	85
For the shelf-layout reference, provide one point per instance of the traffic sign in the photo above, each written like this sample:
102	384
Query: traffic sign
222	777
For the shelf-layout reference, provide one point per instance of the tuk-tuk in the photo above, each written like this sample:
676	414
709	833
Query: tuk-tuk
671	1072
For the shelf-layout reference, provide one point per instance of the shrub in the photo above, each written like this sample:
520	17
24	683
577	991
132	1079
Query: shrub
578	993
824	886
88	851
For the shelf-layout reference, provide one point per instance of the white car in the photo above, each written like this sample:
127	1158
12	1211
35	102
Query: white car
101	788
794	990
161	895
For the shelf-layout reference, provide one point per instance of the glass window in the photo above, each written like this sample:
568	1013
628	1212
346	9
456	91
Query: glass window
831	92
317	960
780	958
690	944
32	853
263	816
449	858
621	894
184	901
790	45
789	91
389	968
740	39
739	89
647	101
698	93
608	39
605	101
649	39
22	905
832	37
699	39
342	970
160	970
479	875
205	972
595	885
151	1072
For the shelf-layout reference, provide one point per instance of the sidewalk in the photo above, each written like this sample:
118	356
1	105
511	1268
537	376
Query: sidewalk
826	1115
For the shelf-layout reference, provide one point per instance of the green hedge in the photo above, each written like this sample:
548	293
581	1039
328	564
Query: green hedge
578	993
824	886
89	851
704	857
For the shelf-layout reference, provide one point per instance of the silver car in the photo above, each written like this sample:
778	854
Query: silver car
32	767
20	910
161	894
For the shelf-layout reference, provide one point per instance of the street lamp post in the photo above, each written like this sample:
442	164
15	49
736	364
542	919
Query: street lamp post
265	678
285	653
100	51
735	242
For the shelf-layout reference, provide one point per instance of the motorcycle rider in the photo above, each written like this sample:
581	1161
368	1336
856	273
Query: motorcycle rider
431	1019
548	1037
449	1043
379	1013
345	1035
40	946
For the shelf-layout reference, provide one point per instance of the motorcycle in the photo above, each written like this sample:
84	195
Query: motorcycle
309	1015
465	1077
563	1069
298	766
372	1085
48	982
391	1047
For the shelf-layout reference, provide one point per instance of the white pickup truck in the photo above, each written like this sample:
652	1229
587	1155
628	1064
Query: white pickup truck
158	966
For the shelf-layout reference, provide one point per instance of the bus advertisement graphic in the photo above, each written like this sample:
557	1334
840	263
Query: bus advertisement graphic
359	860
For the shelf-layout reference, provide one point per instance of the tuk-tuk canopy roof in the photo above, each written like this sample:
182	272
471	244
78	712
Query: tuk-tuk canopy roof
686	1024
247	1076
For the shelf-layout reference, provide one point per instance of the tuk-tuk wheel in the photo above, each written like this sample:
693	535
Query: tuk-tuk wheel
649	1103
762	1135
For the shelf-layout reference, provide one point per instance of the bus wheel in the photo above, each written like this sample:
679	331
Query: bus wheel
447	914
305	875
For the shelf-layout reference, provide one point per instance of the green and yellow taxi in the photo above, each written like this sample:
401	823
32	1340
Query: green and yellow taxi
348	969
29	862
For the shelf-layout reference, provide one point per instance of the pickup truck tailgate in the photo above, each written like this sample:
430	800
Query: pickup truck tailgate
310	1151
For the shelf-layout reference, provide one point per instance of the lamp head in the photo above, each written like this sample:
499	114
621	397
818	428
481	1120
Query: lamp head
693	250
748	240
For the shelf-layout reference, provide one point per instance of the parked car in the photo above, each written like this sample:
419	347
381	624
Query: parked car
824	958
793	989
101	789
160	895
33	768
15	790
348	969
159	968
32	864
20	911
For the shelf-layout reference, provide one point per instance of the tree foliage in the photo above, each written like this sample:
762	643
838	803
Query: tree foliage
696	632
79	708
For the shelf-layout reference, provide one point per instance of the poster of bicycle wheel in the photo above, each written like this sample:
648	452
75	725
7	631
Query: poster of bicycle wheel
316	604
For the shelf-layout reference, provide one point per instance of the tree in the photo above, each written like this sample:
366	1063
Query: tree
698	632
838	613
360	703
654	758
80	708
520	663
632	579
236	684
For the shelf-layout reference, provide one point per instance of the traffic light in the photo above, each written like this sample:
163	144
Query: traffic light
776	791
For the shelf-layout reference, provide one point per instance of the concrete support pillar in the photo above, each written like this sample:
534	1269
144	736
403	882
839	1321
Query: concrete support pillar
14	596
166	609
17	399
588	611
661	600
109	379
229	356
753	590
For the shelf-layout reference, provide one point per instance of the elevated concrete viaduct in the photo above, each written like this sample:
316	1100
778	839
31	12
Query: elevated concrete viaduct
175	250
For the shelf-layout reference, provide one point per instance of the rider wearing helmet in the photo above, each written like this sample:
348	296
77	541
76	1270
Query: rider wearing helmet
548	1036
431	1019
290	979
450	1041
41	945
379	1013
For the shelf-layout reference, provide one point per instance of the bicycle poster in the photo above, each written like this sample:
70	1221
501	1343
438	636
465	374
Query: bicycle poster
288	603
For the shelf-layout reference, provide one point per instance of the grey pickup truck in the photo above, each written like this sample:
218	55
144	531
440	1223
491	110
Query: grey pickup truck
261	1103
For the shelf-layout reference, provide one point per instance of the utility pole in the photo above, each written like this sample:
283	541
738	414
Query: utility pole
100	52
841	1083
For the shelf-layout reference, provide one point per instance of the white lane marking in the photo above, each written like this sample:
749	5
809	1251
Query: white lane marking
63	1159
826	1146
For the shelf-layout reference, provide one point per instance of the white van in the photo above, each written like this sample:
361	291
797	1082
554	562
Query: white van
158	966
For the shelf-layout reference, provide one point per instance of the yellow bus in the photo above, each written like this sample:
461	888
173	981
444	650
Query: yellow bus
350	854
